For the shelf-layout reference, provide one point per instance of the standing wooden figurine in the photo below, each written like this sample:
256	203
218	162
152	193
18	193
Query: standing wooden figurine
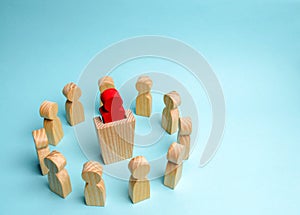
139	185
42	148
58	177
104	83
52	123
74	108
112	108
184	132
144	99
111	103
94	190
170	113
173	171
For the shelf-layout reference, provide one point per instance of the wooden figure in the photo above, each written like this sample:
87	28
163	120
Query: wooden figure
94	190
42	148
172	174
176	153
116	139
105	83
58	177
144	99
170	113
112	108
139	185
52	123
111	103
74	108
173	171
184	132
139	167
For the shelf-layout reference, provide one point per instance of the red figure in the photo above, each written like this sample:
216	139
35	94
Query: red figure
112	109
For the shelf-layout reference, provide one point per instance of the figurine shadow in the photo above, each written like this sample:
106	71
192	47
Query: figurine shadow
33	166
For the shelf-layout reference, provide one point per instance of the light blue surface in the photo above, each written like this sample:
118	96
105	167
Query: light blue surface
253	46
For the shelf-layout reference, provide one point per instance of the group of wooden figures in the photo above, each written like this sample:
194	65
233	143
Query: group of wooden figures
113	145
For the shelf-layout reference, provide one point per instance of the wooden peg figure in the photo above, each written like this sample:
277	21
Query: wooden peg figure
173	171
74	108
42	148
144	99
58	177
94	190
184	132
139	185
105	83
170	113
52	123
111	107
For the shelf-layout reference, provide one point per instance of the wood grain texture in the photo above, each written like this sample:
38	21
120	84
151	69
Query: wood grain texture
185	141
116	139
74	112
172	174
183	138
176	153
172	100
144	99
185	126
139	167
143	106
54	130
42	148
74	108
170	120
170	115
48	110
58	177
72	92
105	83
95	195
138	190
94	192
42	154
92	172
40	138
52	124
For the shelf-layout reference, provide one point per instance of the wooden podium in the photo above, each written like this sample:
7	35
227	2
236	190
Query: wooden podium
116	139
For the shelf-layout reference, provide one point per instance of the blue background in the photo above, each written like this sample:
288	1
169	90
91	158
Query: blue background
253	46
